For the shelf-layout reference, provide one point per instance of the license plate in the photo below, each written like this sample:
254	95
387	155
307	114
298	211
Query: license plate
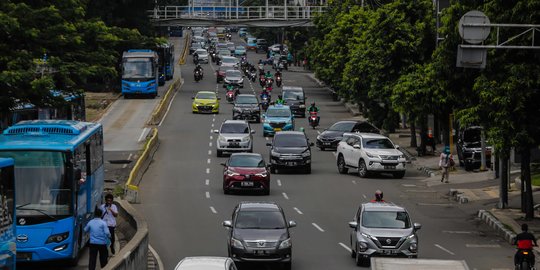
326	143
277	129
234	144
247	184
259	252
24	256
389	167
291	163
389	252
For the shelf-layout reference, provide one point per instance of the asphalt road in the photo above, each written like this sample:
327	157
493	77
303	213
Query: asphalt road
184	204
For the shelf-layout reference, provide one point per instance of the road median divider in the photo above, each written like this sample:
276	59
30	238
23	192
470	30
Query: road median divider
131	188
161	108
184	54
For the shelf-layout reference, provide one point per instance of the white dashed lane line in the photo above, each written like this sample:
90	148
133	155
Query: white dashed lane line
298	211
208	195
354	182
334	153
209	161
207	170
210	144
285	195
364	195
318	132
345	247
207	182
482	246
444	249
213	210
279	182
129	158
209	152
212	124
317	227
214	119
211	137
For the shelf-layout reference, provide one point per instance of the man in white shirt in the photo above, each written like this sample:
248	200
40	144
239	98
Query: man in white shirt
110	212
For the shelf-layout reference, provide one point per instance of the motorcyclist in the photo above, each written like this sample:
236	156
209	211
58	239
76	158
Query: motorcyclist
280	100
524	241
268	75
278	73
378	196
264	94
313	108
199	69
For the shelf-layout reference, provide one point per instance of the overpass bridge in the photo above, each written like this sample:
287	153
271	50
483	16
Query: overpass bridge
242	16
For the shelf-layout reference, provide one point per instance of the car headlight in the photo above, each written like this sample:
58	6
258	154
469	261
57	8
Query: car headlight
263	174
245	139
241	80
227	80
369	236
289	122
152	85
274	153
370	155
319	137
285	243
235	109
412	236
302	106
306	154
232	173
125	84
222	139
57	238
236	243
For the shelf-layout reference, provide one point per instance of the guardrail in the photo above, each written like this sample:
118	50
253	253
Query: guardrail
236	12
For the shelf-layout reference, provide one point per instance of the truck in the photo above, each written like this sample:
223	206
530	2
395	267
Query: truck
380	263
140	73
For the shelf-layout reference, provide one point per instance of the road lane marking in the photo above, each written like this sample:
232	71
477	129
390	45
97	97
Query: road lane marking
214	119
212	124
168	108
142	134
318	132
285	195
345	247
207	182
364	195
208	161
213	210
208	195
482	246
444	249
434	204
354	182
211	137
460	232
208	170
334	153
317	226
408	185
210	144
279	182
266	138
129	158
298	210
209	152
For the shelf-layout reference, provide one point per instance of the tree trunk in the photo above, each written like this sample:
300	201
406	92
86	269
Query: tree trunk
423	137
412	126
526	192
503	190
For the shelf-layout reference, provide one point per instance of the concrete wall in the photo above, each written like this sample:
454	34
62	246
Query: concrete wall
134	255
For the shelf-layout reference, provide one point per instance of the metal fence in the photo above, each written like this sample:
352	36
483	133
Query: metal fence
236	12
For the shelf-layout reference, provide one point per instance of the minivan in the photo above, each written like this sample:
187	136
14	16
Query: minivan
295	98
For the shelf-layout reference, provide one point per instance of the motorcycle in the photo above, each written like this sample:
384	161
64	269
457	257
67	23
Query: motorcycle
197	75
265	102
278	81
313	119
253	76
526	260
269	82
230	95
262	80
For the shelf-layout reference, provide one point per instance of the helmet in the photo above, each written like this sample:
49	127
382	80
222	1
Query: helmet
279	96
378	195
198	65
313	104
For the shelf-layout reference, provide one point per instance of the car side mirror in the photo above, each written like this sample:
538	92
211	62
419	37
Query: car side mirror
292	223
397	146
353	224
268	144
227	224
252	131
417	226
223	164
311	144
356	146
216	131
218	98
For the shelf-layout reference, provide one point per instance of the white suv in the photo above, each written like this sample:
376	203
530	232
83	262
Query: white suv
369	153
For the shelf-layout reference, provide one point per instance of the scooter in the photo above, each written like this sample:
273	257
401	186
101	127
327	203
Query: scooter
313	119
265	102
269	82
198	76
230	95
262	80
278	81
526	257
253	76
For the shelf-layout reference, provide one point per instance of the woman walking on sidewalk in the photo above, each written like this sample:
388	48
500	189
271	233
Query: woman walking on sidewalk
446	161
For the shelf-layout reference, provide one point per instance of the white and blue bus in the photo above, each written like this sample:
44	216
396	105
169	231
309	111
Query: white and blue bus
140	73
58	184
7	225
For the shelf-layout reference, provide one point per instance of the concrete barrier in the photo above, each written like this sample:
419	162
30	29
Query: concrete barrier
131	189
161	108
134	255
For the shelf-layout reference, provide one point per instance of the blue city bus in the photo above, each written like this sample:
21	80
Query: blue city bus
58	184
7	225
165	53
140	73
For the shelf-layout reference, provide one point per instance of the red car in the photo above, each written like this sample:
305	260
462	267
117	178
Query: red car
246	171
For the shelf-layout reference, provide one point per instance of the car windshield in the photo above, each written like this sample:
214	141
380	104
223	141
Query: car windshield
278	112
260	220
251	161
224	52
290	140
378	144
138	68
234	128
200	51
205	96
229	60
293	95
342	126
240	48
471	135
43	186
246	100
196	45
386	219
233	73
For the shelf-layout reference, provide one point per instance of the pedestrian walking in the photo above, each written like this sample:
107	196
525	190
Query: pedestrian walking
99	237
446	161
110	212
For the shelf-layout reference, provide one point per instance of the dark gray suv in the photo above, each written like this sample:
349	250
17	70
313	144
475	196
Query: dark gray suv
259	232
246	107
382	229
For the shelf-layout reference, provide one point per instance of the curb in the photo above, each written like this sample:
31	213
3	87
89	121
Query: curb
427	171
131	188
494	223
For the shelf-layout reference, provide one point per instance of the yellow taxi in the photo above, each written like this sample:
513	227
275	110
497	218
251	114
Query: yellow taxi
205	102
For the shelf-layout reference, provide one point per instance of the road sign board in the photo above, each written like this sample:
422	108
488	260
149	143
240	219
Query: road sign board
474	34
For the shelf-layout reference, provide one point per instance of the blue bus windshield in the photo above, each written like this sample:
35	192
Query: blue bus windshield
42	187
138	68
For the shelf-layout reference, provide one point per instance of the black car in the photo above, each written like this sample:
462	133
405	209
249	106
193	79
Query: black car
330	137
290	149
295	98
469	148
259	232
262	45
246	107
